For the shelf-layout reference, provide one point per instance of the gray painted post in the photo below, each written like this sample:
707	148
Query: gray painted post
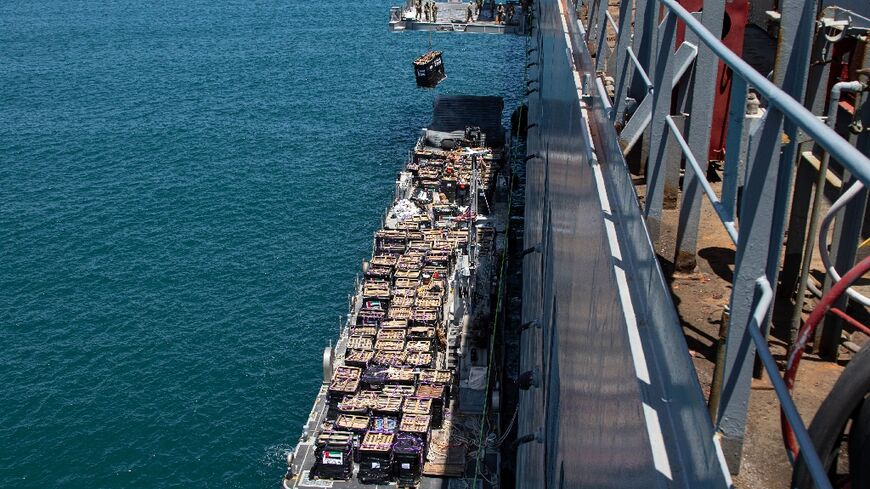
601	40
804	183
844	243
754	247
659	132
673	155
792	63
699	125
733	142
816	93
844	247
623	71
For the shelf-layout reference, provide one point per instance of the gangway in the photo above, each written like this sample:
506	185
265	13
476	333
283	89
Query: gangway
615	401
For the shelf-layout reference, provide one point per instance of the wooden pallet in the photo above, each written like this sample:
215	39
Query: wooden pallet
424	317
402	301
430	391
352	422
390	345
392	334
379	271
345	372
358	331
404	292
389	404
335	438
360	343
406	275
385	260
344	386
418	405
358	357
418	346
376	292
399	390
389	358
405	283
401	375
415	423
421	333
399	313
427	303
377	442
433	376
395	323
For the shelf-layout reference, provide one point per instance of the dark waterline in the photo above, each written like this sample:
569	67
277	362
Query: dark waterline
186	192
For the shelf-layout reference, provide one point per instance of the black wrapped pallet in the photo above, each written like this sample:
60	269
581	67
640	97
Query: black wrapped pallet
429	69
333	456
376	458
409	451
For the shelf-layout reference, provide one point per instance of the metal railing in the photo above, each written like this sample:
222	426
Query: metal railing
760	160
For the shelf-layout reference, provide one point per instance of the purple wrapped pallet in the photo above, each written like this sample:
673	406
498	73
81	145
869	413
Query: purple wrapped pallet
374	377
408	443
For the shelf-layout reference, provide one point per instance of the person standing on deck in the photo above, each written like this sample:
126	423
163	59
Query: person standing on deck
468	12
510	13
479	7
434	12
426	9
419	7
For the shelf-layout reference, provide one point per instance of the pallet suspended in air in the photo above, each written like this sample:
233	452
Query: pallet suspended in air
429	69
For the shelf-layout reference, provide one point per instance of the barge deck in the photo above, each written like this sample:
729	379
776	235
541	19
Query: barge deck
405	387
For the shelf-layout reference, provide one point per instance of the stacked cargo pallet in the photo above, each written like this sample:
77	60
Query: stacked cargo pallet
390	390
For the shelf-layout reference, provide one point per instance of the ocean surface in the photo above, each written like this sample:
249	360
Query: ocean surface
187	189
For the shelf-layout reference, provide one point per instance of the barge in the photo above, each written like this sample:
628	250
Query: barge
404	398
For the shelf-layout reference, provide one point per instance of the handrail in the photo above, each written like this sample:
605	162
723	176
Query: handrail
811	458
839	148
763	206
611	21
705	185
640	70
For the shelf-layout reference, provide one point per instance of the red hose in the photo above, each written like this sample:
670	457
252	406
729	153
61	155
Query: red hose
849	319
797	350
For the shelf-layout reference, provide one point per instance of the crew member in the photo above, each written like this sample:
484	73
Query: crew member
434	12
468	12
499	17
510	13
419	6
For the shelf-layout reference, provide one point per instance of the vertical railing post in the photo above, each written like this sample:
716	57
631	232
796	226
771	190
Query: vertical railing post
792	65
736	117
623	69
756	244
659	132
601	30
699	125
644	46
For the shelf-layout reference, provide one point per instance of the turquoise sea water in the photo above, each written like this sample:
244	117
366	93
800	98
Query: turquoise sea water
187	189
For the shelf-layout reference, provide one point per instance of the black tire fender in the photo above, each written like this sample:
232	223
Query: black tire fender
845	401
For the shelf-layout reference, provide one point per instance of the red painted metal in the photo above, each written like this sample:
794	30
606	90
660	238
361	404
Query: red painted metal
806	332
850	320
733	29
